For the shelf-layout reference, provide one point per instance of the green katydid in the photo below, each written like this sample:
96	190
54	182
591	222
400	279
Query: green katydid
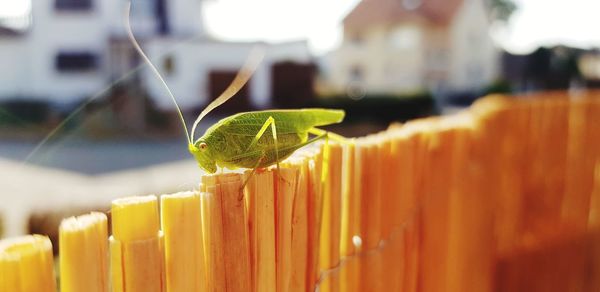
242	140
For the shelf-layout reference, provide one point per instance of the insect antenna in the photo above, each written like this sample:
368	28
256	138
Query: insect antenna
242	77
154	70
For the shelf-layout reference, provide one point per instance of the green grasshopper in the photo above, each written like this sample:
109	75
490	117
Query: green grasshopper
241	140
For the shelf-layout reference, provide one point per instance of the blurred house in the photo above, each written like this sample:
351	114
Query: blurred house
400	46
76	49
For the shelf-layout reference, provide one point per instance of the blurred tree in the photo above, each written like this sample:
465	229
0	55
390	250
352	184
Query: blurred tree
501	10
498	86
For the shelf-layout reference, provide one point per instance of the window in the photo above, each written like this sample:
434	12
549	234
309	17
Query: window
73	5
168	65
355	87
438	59
356	39
411	4
405	37
356	74
76	61
474	73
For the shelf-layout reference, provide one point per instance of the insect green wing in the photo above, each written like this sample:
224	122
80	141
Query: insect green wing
287	121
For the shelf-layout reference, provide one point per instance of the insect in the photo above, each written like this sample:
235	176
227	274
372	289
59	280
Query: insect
250	139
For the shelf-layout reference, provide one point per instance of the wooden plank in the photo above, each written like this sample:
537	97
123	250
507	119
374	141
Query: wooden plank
26	264
84	253
212	223
284	200
184	249
136	236
329	253
470	223
579	208
315	214
433	264
228	240
349	249
235	236
299	240
503	127
369	159
260	195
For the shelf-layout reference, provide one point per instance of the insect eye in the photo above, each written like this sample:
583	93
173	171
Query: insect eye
203	146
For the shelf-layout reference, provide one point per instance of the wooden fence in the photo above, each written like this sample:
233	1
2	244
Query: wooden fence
504	196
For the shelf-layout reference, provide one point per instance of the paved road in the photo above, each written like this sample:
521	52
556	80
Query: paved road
94	157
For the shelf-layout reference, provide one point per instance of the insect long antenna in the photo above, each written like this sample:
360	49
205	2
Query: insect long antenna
154	70
242	77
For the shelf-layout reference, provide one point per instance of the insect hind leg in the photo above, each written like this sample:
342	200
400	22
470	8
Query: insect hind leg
335	137
327	135
269	122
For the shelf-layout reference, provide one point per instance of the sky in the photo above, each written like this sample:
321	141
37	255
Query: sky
550	22
319	21
13	7
536	22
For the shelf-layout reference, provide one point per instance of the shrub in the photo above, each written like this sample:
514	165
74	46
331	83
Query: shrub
380	108
22	112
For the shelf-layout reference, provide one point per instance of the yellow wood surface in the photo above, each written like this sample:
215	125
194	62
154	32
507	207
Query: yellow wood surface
183	246
84	253
26	264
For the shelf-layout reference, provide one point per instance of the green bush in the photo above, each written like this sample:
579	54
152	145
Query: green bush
383	108
22	112
498	86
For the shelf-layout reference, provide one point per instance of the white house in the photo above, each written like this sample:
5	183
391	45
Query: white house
400	46
76	49
187	70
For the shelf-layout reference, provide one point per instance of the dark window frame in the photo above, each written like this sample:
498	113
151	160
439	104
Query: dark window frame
82	61
357	73
169	65
73	5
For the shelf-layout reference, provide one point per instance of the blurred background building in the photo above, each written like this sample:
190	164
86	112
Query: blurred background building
396	47
73	50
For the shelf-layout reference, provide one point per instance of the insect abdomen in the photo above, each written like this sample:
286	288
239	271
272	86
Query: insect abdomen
287	144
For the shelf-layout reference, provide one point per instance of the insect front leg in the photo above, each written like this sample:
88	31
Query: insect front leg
252	173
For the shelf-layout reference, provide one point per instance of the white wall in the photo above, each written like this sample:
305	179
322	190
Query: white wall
30	69
474	59
193	61
14	74
54	31
391	58
185	17
143	21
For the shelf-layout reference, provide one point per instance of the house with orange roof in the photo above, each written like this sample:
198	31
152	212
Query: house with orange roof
406	46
